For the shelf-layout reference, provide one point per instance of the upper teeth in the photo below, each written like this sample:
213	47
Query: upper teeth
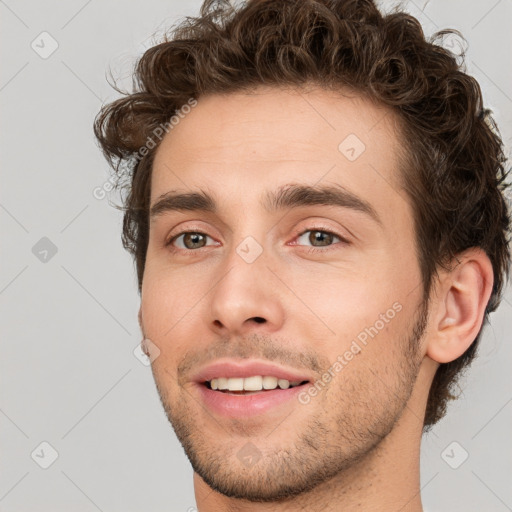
255	383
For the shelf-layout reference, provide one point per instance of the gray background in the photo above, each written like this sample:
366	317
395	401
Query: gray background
69	376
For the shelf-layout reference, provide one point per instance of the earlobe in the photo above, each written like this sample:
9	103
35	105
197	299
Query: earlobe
460	309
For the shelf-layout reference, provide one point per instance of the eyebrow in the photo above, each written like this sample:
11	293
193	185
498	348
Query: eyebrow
286	197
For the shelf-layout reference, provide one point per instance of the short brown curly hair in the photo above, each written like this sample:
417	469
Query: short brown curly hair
455	163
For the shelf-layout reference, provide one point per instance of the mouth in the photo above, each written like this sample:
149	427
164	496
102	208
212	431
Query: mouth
241	388
250	385
230	398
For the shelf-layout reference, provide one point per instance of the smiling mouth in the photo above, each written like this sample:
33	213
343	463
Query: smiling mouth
280	385
247	397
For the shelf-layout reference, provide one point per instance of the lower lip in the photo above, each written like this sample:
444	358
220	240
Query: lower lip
239	406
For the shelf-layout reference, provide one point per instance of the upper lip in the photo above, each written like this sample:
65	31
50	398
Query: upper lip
231	368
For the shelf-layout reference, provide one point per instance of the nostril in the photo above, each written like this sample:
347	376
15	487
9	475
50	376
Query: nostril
259	320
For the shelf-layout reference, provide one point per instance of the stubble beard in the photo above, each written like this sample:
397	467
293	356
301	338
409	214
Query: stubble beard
335	436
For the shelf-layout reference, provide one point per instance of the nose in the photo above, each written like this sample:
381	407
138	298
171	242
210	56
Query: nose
246	296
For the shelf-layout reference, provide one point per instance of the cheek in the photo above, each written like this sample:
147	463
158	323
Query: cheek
170	304
343	296
349	310
172	290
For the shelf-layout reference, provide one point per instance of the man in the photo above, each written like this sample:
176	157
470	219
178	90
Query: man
315	206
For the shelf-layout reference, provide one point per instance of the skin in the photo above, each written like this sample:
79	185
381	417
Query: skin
356	445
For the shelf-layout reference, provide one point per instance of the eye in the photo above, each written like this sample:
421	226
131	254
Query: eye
191	240
323	237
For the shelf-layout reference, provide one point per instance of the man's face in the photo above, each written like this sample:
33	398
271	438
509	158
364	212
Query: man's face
243	285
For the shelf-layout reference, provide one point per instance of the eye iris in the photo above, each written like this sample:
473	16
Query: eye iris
194	237
320	236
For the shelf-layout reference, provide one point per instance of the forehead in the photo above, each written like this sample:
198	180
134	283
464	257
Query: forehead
241	145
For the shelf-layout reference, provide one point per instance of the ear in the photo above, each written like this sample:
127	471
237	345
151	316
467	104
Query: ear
140	320
459	307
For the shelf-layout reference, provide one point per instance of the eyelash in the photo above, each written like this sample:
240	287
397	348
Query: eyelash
310	250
